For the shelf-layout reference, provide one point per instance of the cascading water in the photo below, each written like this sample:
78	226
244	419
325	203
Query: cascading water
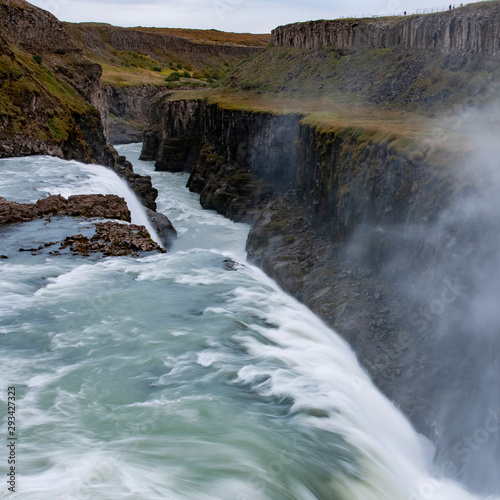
44	176
189	375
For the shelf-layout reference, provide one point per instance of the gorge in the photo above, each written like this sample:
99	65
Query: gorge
363	155
364	224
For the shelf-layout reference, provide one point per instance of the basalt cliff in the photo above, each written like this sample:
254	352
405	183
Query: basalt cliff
465	31
365	204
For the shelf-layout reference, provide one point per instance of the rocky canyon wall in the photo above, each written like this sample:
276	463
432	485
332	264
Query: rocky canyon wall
472	29
99	37
353	227
129	109
53	102
247	156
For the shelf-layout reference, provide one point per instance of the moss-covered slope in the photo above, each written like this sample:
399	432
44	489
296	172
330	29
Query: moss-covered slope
50	99
413	79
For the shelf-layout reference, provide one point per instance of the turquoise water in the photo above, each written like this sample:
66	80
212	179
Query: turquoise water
189	375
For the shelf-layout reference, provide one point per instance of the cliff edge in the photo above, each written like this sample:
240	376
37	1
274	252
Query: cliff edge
472	29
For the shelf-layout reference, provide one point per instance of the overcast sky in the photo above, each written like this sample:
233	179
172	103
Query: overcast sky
255	16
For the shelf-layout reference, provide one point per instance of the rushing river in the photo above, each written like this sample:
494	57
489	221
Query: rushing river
187	375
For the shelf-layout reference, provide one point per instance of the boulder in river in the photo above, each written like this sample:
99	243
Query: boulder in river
163	227
107	206
113	238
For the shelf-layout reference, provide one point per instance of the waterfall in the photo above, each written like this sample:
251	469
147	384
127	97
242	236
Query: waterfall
102	180
175	376
36	177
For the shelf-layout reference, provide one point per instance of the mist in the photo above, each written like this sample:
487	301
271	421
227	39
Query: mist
447	268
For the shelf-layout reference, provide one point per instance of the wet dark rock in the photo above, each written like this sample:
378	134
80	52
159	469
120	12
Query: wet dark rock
142	187
229	190
129	109
163	227
231	265
113	239
150	144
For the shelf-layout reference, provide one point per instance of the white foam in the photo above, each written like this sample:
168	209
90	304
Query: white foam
28	179
102	180
323	374
122	401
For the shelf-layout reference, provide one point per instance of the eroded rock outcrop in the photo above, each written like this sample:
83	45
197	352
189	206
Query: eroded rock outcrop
53	99
87	205
113	239
163	228
129	109
110	238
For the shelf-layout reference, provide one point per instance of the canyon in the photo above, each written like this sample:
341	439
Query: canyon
351	147
357	211
52	97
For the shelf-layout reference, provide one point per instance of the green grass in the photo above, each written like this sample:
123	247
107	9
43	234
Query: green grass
417	80
397	98
409	133
151	66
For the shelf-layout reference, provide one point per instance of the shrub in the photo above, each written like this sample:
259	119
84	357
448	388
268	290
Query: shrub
157	68
37	58
173	77
186	74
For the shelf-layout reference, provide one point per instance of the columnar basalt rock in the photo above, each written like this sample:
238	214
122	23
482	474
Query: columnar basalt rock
472	29
237	159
